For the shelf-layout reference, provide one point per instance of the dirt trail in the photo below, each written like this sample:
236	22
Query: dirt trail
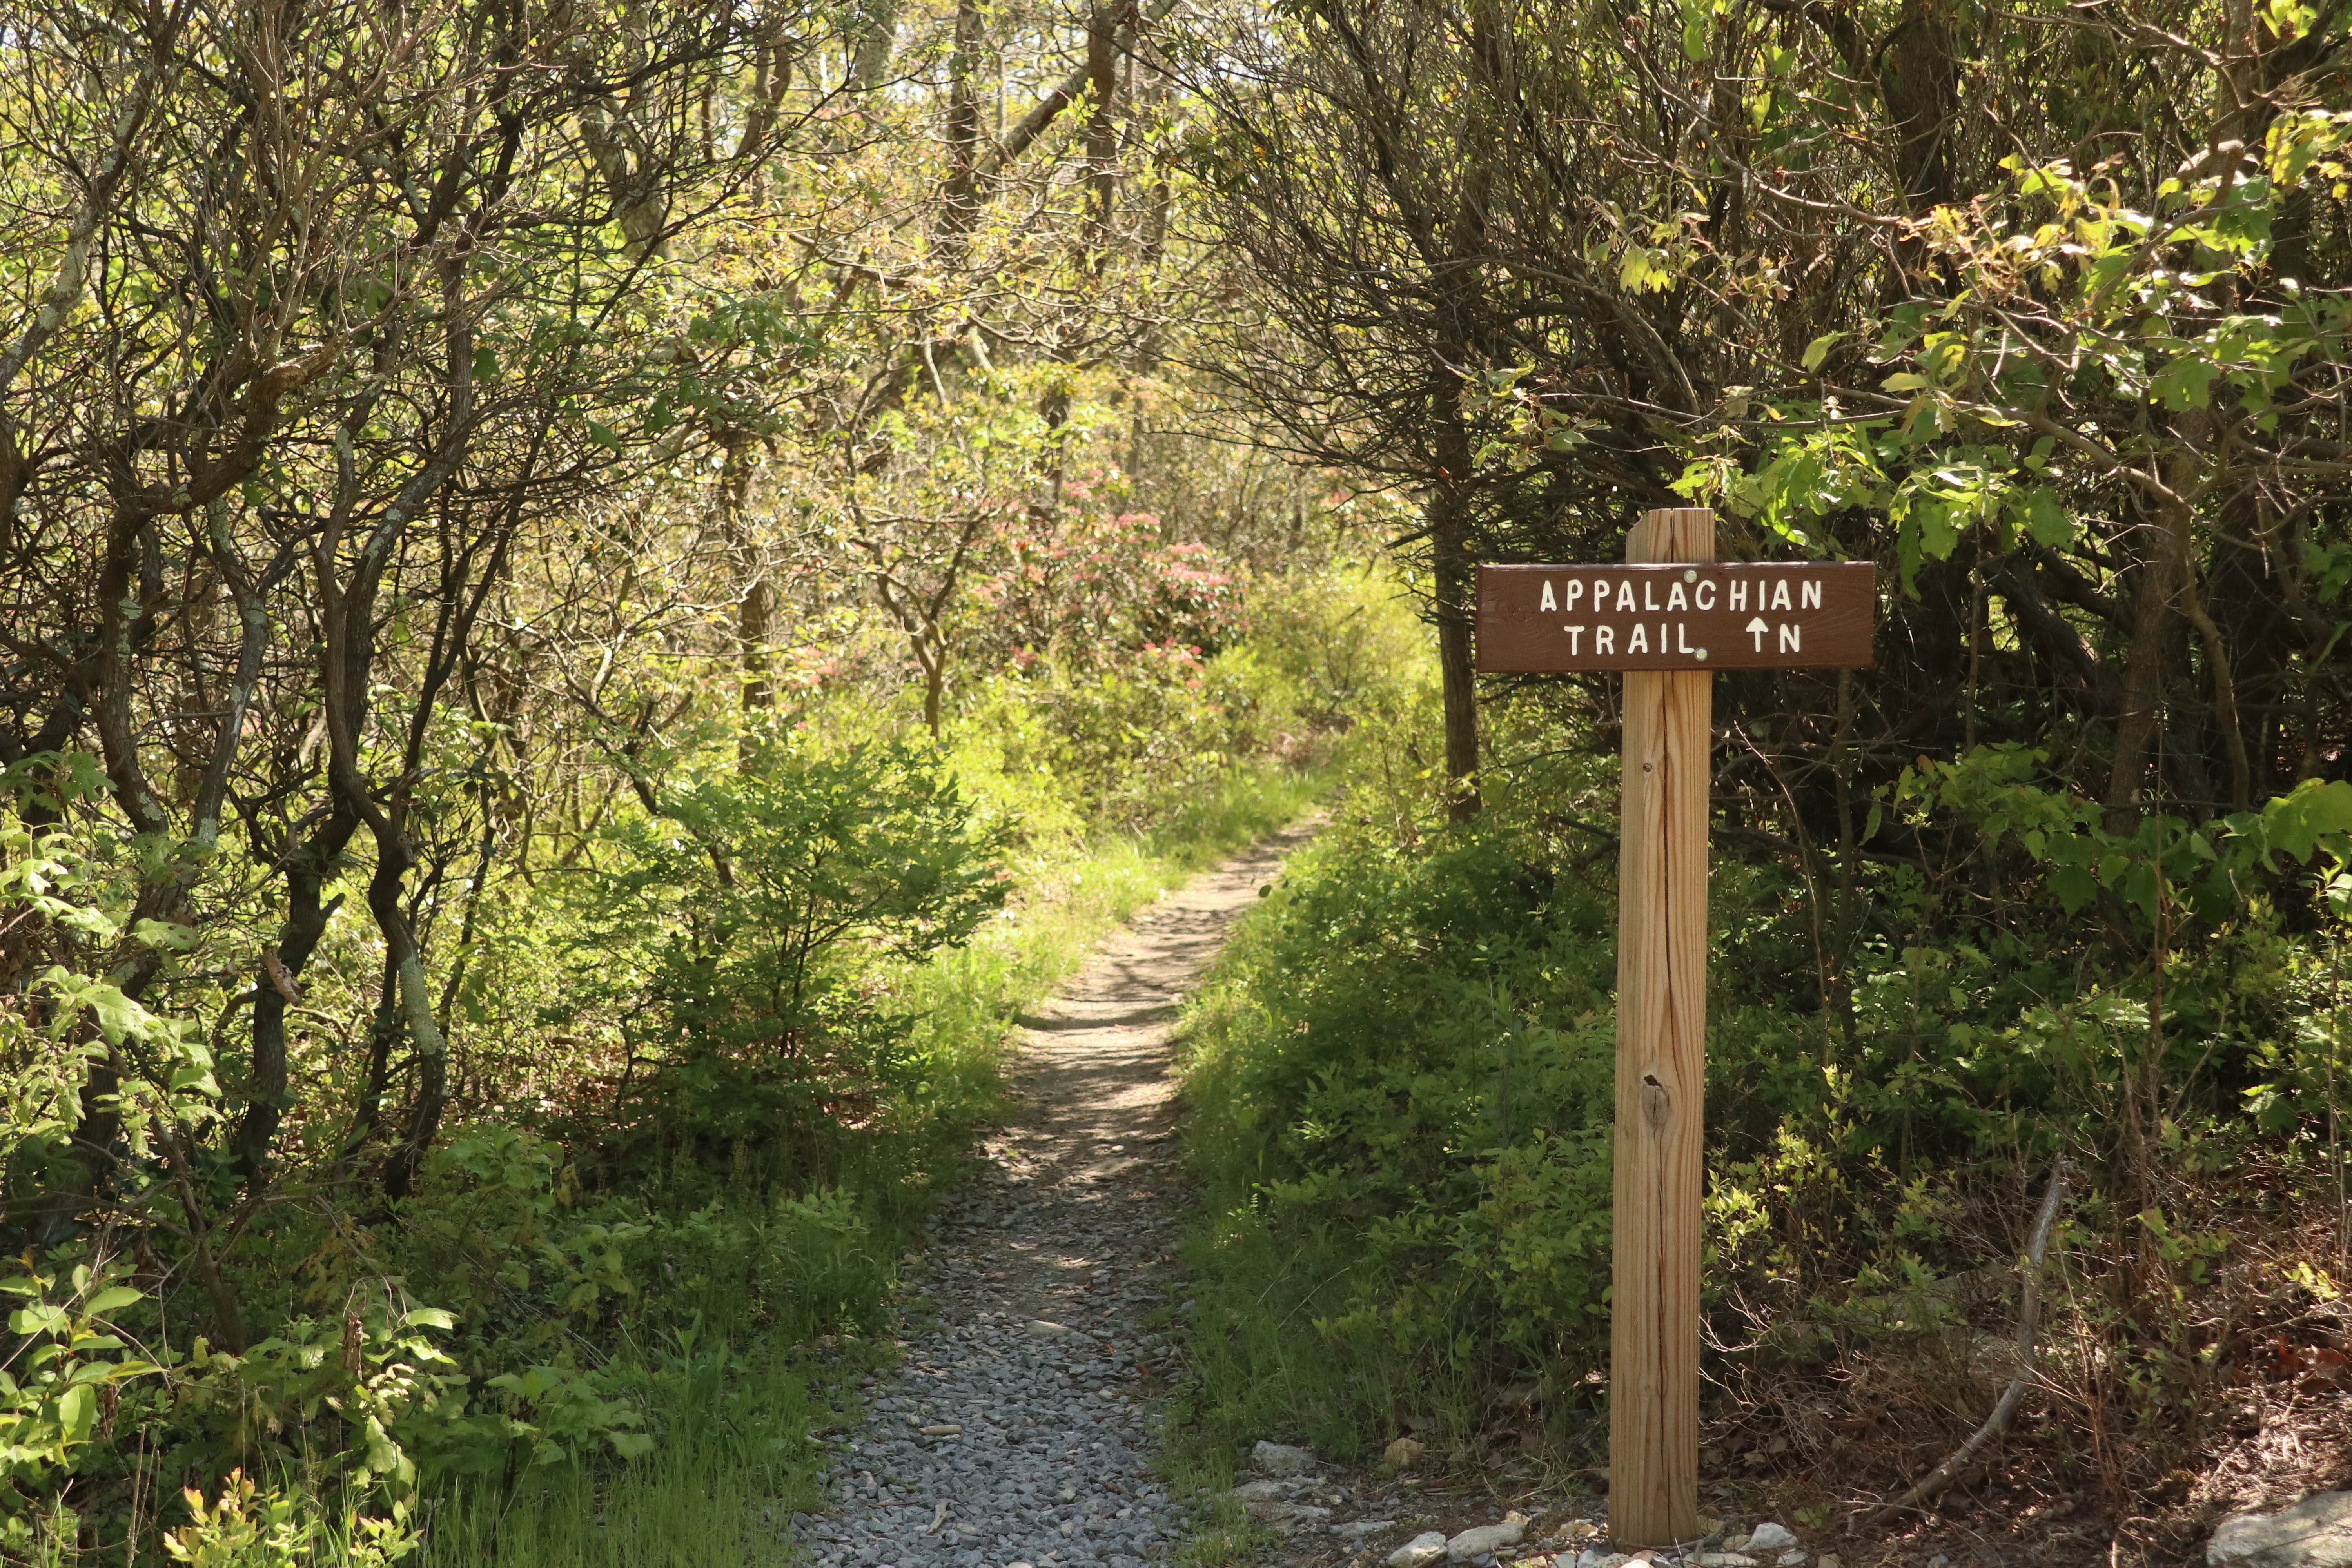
1092	1076
1021	1426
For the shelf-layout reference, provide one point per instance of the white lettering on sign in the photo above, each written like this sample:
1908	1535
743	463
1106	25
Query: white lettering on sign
1676	600
1641	643
1754	628
1573	632
1604	641
1808	597
1793	638
1705	593
1549	602
1781	595
1738	595
1575	592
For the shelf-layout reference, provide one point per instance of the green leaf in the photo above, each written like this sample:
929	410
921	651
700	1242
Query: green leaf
603	435
38	1319
1819	350
630	1445
77	1407
2073	886
163	936
2186	383
2296	823
429	1318
2045	519
113	1299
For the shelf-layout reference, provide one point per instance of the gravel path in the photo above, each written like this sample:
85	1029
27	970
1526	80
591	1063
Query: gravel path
1020	1428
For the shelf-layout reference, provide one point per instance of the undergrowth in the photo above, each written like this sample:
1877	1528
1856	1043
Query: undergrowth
1400	1079
706	1077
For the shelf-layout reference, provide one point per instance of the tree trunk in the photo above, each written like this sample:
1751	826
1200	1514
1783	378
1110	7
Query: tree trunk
1102	132
962	189
1454	606
2144	682
755	604
1452	601
2164	570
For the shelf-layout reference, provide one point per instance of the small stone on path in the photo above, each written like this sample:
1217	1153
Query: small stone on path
1485	1539
2314	1532
1419	1552
1281	1459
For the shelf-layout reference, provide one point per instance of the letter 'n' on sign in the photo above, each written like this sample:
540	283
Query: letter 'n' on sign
1669	618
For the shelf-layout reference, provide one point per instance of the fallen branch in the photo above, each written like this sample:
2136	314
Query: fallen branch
2029	1323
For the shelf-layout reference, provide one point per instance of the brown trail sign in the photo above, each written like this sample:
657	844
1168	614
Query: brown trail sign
1682	615
1669	617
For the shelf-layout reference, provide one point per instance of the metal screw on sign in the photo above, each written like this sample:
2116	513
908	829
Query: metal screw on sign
1669	618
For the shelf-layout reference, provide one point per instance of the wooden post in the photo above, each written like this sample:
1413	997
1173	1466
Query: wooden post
1660	1077
1669	618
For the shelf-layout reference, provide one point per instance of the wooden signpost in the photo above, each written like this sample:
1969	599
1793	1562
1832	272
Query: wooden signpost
1669	618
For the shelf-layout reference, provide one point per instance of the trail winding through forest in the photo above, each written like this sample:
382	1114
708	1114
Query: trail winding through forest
1021	1427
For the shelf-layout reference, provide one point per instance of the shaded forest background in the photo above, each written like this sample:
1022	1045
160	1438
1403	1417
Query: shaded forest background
591	596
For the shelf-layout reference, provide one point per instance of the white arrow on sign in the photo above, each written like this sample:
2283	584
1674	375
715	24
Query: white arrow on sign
1757	628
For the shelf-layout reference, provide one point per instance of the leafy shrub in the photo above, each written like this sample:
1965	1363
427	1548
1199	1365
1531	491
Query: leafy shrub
739	930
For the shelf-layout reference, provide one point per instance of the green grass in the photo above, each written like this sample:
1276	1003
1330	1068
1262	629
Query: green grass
739	1459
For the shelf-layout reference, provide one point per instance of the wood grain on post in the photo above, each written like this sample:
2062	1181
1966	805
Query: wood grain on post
1660	1077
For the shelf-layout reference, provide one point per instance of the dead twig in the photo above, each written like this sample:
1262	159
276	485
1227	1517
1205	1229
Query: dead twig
2029	1322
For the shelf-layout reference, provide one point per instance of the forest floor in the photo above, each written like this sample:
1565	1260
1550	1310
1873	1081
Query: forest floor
1020	1425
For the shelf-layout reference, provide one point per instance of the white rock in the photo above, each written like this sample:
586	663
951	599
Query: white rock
1792	1558
1770	1537
1419	1552
1594	1557
1249	1493
1039	1328
1481	1539
1362	1528
2315	1533
1726	1559
1281	1459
